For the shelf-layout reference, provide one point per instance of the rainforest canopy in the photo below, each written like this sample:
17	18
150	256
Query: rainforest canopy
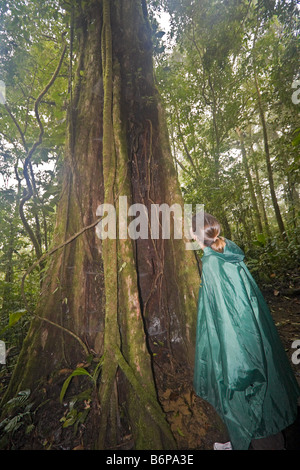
241	367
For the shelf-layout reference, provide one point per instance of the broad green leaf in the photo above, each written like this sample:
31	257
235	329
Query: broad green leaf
15	317
76	372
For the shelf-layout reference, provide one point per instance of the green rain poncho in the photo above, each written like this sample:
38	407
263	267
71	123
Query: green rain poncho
241	367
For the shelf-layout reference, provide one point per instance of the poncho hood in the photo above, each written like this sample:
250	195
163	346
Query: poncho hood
232	253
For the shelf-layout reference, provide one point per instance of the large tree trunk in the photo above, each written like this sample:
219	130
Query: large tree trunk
131	302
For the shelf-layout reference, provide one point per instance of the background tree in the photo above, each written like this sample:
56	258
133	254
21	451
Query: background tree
222	75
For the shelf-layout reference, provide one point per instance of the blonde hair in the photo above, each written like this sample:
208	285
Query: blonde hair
209	232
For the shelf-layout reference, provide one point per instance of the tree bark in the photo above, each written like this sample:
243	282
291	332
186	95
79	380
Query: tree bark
131	302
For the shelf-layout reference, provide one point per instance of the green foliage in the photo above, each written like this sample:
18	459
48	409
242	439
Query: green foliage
208	86
20	400
80	404
273	259
19	411
31	40
81	371
296	140
14	317
75	417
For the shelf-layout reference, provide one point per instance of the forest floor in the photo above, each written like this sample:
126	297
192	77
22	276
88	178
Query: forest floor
194	423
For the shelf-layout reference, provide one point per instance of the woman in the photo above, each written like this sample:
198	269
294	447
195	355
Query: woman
240	365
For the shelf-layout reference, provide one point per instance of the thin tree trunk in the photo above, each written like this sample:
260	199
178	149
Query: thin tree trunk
261	200
268	161
256	214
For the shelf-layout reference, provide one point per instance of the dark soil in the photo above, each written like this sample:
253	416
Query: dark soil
284	303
